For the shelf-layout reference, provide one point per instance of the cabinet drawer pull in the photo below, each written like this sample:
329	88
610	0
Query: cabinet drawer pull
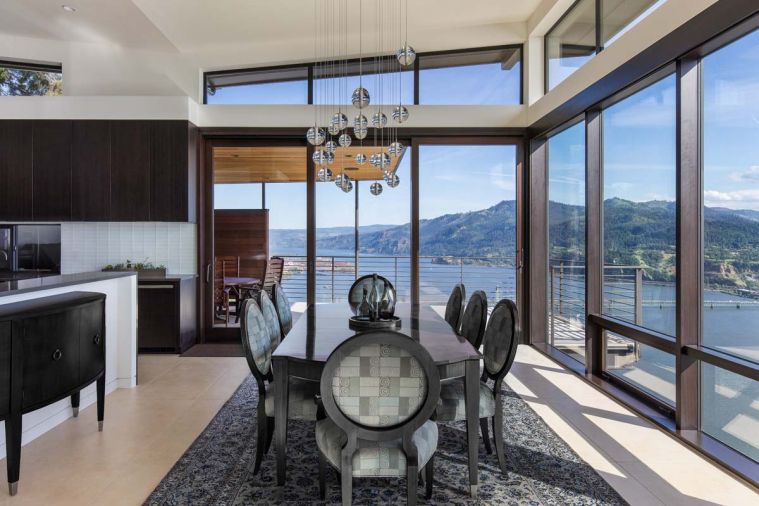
57	355
96	340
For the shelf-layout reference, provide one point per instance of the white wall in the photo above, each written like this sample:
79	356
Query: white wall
89	247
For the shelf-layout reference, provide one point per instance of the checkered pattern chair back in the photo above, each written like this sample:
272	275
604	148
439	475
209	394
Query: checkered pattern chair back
380	380
282	303
256	337
501	339
271	317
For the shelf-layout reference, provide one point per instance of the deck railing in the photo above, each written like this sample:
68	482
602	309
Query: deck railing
438	275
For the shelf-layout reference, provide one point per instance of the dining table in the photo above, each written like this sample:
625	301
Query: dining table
323	327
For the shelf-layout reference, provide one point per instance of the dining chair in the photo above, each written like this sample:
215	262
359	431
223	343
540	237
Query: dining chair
274	269
387	295
500	342
475	318
282	304
455	307
223	297
258	341
379	389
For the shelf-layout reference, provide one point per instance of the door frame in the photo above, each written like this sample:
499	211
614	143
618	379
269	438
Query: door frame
212	137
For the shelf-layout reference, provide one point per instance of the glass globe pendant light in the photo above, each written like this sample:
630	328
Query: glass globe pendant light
315	136
392	180
360	158
325	175
379	120
330	147
400	114
340	120
395	148
375	188
360	127
360	97
344	140
406	55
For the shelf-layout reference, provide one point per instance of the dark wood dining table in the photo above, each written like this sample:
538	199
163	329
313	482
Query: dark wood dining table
305	349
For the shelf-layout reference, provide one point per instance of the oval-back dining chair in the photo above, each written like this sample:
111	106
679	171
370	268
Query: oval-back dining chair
259	339
269	311
500	341
475	318
379	389
387	295
284	312
455	306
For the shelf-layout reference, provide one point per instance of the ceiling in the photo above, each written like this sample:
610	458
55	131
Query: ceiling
286	164
242	30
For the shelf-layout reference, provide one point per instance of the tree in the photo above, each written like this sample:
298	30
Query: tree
14	82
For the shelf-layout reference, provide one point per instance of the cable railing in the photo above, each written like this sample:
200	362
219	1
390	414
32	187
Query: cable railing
437	276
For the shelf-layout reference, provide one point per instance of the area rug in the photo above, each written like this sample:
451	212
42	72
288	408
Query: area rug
217	468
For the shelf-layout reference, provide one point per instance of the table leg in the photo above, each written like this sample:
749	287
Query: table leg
281	394
472	402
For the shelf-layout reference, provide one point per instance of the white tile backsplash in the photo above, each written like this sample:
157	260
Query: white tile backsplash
91	246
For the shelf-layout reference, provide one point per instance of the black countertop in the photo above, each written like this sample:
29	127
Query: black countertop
19	286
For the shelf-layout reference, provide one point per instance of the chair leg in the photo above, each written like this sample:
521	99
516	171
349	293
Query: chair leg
412	476
269	433
429	471
485	435
498	437
262	429
322	476
347	486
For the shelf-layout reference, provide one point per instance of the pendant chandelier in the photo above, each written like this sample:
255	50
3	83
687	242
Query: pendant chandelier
342	115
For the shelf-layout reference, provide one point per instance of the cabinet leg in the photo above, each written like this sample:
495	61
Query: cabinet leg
101	401
13	449
75	404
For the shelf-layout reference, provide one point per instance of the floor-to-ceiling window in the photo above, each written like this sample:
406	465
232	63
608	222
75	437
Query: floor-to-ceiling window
468	220
566	241
730	402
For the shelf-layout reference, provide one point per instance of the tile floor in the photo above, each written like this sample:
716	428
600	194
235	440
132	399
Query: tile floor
148	428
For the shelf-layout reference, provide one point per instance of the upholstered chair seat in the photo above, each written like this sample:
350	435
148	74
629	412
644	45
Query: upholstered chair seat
376	458
300	399
452	405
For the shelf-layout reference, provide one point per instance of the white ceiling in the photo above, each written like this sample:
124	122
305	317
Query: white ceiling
247	31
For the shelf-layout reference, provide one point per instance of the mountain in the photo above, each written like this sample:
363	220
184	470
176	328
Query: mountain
635	233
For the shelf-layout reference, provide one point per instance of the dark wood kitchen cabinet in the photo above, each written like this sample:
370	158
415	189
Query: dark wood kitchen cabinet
52	170
16	178
98	170
172	171
50	349
130	170
91	171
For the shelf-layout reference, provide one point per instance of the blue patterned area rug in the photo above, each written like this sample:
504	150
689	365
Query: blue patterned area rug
216	469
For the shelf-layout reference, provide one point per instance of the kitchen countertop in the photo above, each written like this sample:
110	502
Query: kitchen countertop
56	281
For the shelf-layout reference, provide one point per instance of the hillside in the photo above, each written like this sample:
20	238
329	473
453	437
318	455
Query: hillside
635	233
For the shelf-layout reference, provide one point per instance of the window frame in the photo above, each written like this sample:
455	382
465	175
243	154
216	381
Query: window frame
33	66
597	24
368	61
684	420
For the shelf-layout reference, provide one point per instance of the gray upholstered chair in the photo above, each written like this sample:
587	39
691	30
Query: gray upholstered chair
455	306
259	338
282	304
474	319
378	390
386	292
500	342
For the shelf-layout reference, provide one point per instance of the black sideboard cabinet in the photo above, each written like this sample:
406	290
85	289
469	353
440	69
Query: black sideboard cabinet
50	349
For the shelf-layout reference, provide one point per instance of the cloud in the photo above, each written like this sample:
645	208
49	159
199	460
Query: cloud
751	175
739	199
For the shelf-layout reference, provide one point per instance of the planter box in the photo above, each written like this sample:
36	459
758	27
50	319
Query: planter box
144	273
